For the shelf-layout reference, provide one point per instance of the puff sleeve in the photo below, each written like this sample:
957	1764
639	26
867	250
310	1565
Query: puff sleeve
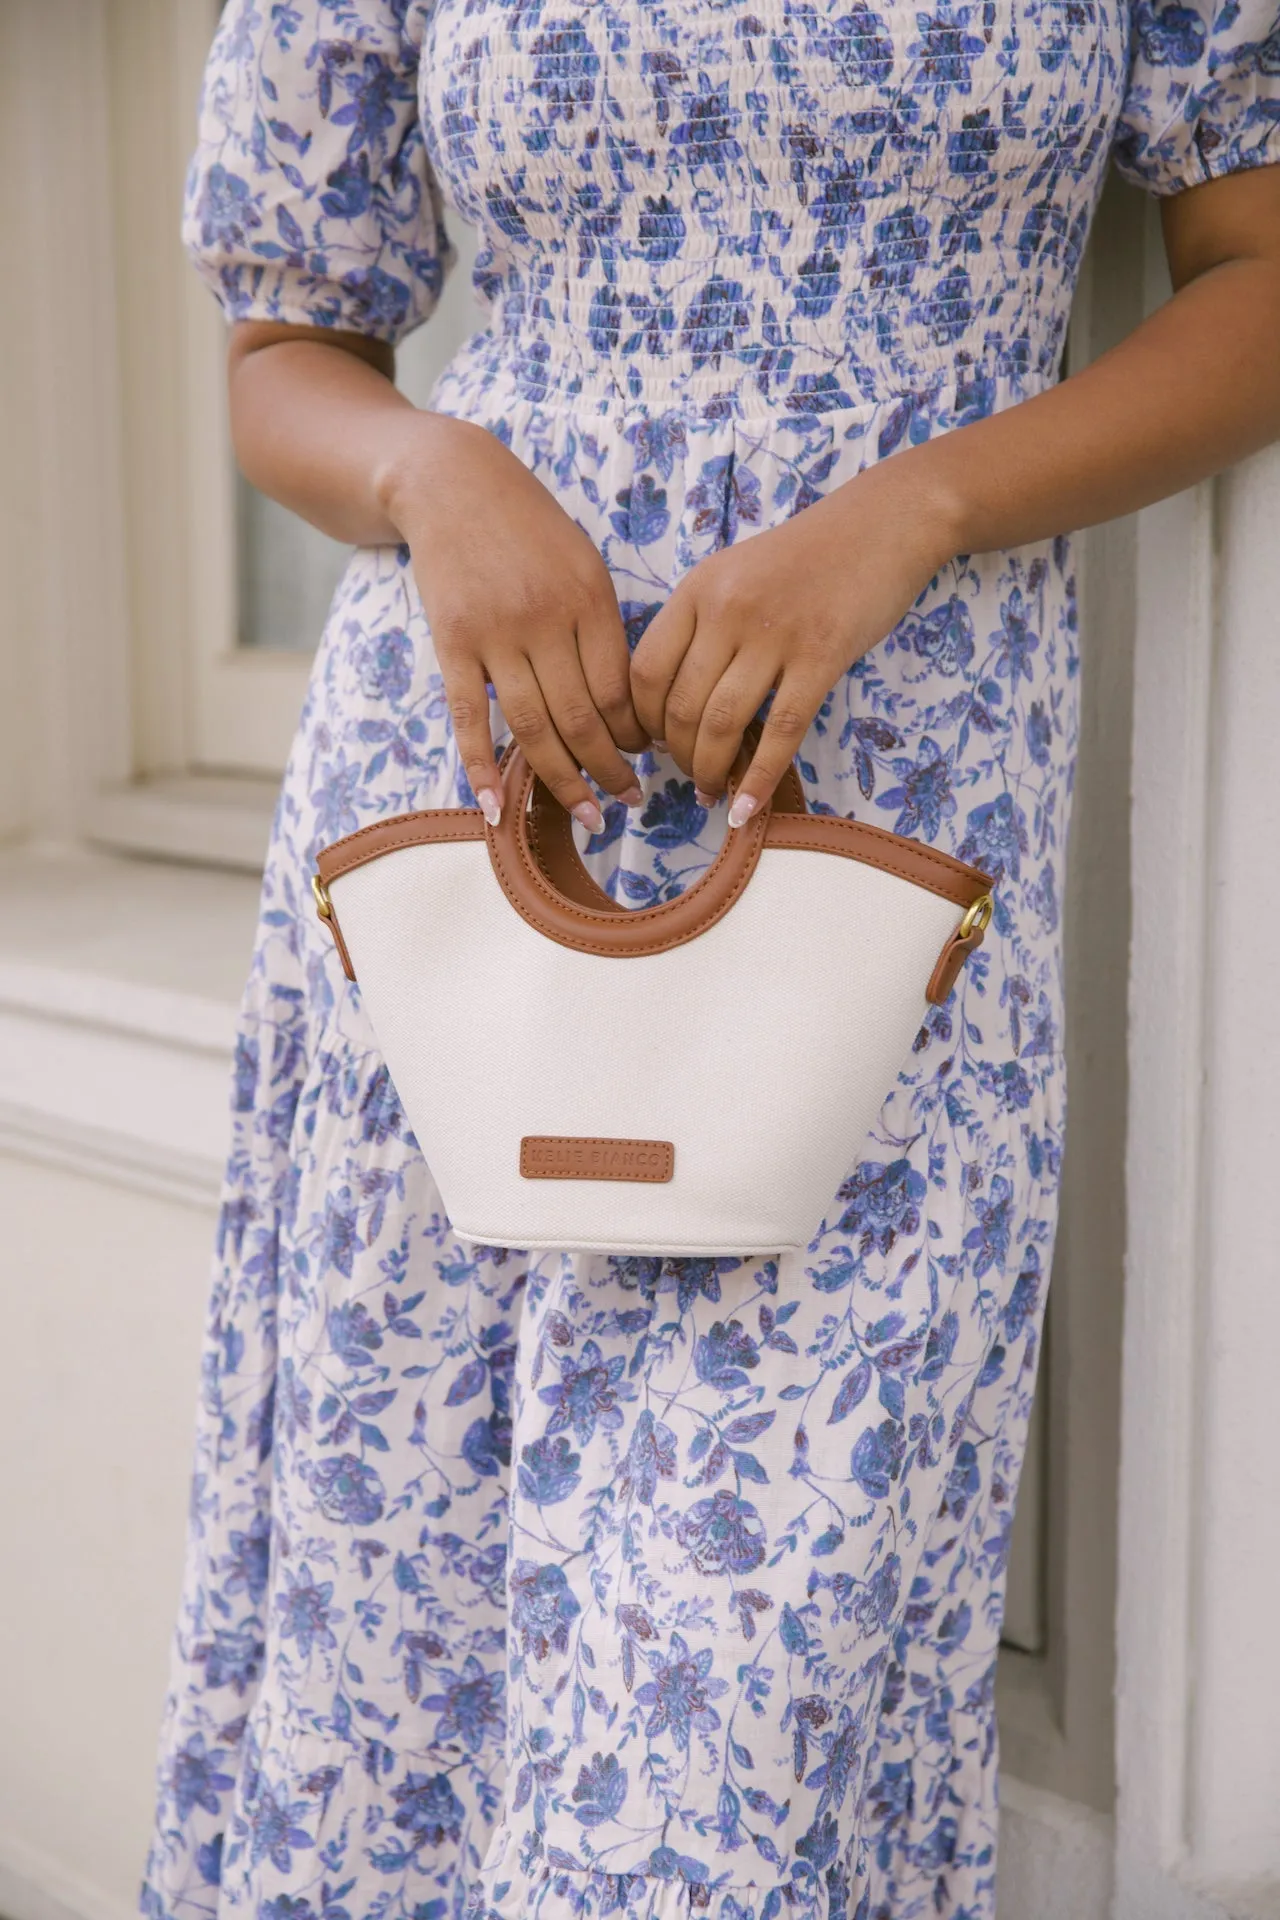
309	198
1203	96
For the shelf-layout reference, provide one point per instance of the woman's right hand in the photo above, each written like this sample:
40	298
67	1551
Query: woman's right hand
517	595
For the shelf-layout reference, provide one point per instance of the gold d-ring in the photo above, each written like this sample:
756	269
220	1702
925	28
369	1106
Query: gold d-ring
977	918
324	906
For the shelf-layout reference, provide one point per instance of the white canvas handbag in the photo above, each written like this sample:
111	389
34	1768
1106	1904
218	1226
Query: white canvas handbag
691	1078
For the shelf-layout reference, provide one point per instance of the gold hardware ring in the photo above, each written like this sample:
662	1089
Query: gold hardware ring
324	906
977	918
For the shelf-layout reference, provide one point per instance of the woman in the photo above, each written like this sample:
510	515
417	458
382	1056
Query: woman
548	1584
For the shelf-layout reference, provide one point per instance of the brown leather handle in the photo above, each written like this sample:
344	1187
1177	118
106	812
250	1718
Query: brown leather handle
555	851
537	864
539	868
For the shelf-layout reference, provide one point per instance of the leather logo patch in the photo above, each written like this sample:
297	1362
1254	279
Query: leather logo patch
548	1156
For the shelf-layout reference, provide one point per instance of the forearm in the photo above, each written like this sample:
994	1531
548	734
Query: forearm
318	424
1195	388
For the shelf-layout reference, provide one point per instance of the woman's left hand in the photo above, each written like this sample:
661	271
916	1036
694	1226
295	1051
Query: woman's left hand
788	610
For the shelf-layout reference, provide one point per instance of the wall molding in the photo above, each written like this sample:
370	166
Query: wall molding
142	1166
35	1887
115	1079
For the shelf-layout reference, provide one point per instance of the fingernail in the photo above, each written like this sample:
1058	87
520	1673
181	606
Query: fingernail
705	799
588	814
742	809
632	797
661	745
490	805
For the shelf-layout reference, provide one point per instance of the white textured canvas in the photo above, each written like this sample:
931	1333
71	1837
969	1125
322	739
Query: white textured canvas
763	1049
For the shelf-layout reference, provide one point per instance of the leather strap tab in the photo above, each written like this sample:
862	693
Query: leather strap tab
950	961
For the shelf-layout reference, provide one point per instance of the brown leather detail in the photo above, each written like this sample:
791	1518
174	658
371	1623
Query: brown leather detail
875	847
788	796
538	866
950	961
331	921
610	932
385	836
401	830
555	850
549	1156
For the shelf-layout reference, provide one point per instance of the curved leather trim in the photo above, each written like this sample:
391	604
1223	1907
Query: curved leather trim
555	850
875	847
621	932
550	832
386	836
537	864
401	830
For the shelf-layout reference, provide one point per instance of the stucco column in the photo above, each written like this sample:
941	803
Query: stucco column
1198	1699
1234	1811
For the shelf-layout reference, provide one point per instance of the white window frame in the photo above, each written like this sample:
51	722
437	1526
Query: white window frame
242	702
205	706
211	719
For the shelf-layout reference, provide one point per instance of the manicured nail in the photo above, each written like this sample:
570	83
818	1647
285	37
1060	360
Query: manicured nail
632	797
742	809
589	816
705	799
490	805
660	745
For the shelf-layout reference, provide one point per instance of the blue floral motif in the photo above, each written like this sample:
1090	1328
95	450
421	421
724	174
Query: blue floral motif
652	1456
923	798
882	1203
601	1791
306	1614
722	1355
428	1808
470	1707
542	1608
275	1829
196	1778
347	1490
723	1534
549	1471
539	1586
673	818
680	1692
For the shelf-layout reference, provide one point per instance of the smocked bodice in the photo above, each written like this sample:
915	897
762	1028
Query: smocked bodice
802	206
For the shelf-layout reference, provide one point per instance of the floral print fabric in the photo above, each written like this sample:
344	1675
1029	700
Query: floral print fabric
540	1584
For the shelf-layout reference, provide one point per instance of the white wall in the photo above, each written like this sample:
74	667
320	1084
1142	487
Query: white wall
1198	1699
101	1299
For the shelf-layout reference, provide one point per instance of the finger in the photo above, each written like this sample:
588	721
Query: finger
795	703
727	712
656	660
606	665
525	710
468	696
708	658
578	721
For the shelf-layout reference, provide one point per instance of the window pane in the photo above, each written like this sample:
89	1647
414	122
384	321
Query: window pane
287	574
286	571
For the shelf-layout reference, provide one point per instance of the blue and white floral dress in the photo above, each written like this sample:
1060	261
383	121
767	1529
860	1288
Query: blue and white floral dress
557	1586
